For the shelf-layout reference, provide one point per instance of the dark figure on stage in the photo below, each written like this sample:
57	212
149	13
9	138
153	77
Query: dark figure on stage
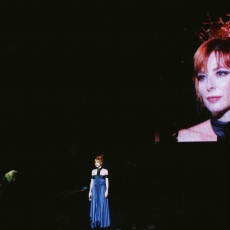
98	194
7	180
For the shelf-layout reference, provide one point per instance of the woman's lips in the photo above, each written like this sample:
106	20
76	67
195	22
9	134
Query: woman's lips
213	99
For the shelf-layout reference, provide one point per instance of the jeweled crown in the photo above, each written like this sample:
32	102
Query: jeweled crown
219	29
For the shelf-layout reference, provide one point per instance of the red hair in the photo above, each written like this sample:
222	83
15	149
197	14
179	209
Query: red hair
220	47
99	158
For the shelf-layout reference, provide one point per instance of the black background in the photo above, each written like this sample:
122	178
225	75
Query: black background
77	81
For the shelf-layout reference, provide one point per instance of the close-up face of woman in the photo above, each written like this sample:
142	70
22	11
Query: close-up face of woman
98	164
213	86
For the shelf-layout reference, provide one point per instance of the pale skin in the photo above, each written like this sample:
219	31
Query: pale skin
214	89
103	172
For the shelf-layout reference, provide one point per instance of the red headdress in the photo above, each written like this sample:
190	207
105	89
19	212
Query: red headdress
219	29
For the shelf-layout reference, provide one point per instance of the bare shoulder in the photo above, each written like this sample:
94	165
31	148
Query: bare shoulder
94	172
105	171
200	132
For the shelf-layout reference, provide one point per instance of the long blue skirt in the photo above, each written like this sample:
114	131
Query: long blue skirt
99	207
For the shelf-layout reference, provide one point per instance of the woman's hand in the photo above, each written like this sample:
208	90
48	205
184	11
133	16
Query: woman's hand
106	193
90	195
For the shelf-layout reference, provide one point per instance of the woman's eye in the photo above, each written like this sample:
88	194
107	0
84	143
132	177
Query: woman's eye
222	73
201	77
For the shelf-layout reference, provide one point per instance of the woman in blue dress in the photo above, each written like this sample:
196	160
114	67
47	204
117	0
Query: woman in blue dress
98	194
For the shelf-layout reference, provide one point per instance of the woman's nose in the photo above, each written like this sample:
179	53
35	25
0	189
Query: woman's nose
211	84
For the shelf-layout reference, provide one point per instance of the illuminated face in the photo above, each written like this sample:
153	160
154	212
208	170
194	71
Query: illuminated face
98	164
214	88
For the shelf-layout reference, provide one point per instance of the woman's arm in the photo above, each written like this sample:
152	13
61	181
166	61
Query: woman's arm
107	184
90	187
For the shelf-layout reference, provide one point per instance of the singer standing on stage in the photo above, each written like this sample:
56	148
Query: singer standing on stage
98	195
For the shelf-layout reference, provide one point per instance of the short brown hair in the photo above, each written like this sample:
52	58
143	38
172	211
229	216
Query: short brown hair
220	47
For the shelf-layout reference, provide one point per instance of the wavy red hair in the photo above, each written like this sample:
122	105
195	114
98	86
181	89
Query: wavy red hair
220	47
